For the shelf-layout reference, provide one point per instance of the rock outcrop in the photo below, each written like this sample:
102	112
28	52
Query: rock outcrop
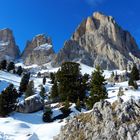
8	48
31	104
99	40
38	51
119	121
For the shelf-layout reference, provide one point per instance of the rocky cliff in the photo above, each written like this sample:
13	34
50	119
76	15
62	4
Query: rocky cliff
38	51
99	40
8	48
119	121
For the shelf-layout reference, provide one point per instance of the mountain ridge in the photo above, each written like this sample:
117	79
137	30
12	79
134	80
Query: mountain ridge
102	41
98	40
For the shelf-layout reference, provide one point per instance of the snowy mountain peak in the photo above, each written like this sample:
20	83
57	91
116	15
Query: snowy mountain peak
38	51
8	45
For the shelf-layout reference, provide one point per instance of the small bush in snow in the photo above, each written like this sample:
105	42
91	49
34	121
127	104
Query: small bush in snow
47	116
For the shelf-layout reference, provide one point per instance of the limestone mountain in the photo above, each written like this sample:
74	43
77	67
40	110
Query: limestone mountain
99	40
38	51
8	48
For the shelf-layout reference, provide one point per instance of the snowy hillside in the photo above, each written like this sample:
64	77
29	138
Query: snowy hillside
30	126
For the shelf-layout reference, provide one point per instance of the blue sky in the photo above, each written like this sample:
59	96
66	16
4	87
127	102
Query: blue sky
59	18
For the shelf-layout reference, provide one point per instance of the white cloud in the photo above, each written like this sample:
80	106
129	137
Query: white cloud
94	2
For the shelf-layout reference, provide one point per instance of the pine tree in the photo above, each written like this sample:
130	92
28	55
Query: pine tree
112	74
39	74
54	91
19	70
30	89
11	66
70	82
8	99
131	82
47	115
134	73
42	94
24	82
78	105
44	80
3	64
134	76
65	110
85	82
52	77
98	90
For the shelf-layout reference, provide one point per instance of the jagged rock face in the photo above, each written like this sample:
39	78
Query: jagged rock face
8	48
99	40
38	51
119	121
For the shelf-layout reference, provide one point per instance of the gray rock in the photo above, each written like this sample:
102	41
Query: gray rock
99	40
31	104
38	51
106	123
8	48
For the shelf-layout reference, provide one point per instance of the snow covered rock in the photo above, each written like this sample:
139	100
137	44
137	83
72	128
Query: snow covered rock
31	104
8	48
117	121
38	51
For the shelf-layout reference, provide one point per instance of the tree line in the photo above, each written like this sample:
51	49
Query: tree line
4	65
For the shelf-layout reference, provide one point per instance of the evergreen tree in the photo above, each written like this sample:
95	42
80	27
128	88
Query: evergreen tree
44	80
116	77
47	115
39	74
134	73
70	82
42	94
30	89
54	91
131	82
98	90
8	99
135	85
112	74
11	66
134	76
65	109
52	77
78	105
85	82
85	78
3	64
19	70
24	82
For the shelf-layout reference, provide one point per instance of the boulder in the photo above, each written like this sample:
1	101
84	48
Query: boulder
31	104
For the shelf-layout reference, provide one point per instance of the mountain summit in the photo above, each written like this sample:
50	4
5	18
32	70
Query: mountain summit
8	48
99	40
38	51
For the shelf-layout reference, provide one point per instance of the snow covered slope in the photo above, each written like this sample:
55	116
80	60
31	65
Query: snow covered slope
30	126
